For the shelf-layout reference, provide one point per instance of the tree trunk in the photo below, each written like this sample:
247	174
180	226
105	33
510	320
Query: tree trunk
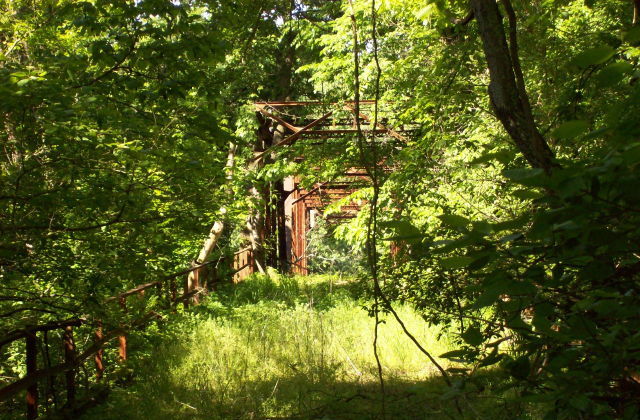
509	100
214	233
256	219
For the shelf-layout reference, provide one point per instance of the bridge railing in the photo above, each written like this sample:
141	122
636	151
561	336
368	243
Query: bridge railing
243	264
166	291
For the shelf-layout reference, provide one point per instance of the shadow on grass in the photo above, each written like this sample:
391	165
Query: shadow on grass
291	348
298	398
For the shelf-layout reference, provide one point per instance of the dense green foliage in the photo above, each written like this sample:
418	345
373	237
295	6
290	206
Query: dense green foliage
538	273
116	123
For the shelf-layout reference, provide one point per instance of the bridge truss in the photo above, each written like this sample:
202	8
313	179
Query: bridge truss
292	205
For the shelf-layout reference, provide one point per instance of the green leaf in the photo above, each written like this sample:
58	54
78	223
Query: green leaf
510	238
473	336
541	315
580	402
503	156
402	229
519	288
453	263
426	12
613	73
449	246
520	367
593	56
633	35
632	154
570	129
567	225
512	224
493	358
487	298
516	323
527	194
454	220
482	227
533	177
538	398
454	354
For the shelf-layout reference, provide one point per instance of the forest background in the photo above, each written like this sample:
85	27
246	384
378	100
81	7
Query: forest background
519	192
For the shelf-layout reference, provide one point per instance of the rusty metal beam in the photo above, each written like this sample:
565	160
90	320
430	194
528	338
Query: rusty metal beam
134	291
314	189
49	326
343	131
32	367
69	358
99	354
391	132
263	111
292	137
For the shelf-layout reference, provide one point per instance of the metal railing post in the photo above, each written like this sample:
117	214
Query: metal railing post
32	366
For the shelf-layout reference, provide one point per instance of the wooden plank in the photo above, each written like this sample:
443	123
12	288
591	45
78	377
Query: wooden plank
242	250
122	348
299	237
122	338
195	285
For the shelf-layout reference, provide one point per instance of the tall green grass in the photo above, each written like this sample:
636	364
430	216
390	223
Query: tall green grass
283	347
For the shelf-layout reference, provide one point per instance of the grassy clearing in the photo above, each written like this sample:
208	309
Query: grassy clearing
284	347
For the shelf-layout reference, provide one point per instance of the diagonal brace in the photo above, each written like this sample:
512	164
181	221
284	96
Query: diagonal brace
381	126
295	136
263	111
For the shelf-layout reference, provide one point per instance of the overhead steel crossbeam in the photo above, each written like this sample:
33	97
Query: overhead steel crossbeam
380	126
295	136
319	127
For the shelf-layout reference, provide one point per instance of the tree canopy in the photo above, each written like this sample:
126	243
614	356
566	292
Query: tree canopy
513	204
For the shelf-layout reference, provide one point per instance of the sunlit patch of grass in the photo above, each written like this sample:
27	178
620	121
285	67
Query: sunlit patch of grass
284	347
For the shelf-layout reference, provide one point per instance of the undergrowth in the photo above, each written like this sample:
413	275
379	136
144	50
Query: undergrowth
284	347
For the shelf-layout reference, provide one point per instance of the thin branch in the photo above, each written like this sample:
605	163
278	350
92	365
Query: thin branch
62	228
113	68
372	227
465	20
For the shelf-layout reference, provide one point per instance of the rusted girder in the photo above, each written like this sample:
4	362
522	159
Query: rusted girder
292	137
391	132
261	109
301	206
